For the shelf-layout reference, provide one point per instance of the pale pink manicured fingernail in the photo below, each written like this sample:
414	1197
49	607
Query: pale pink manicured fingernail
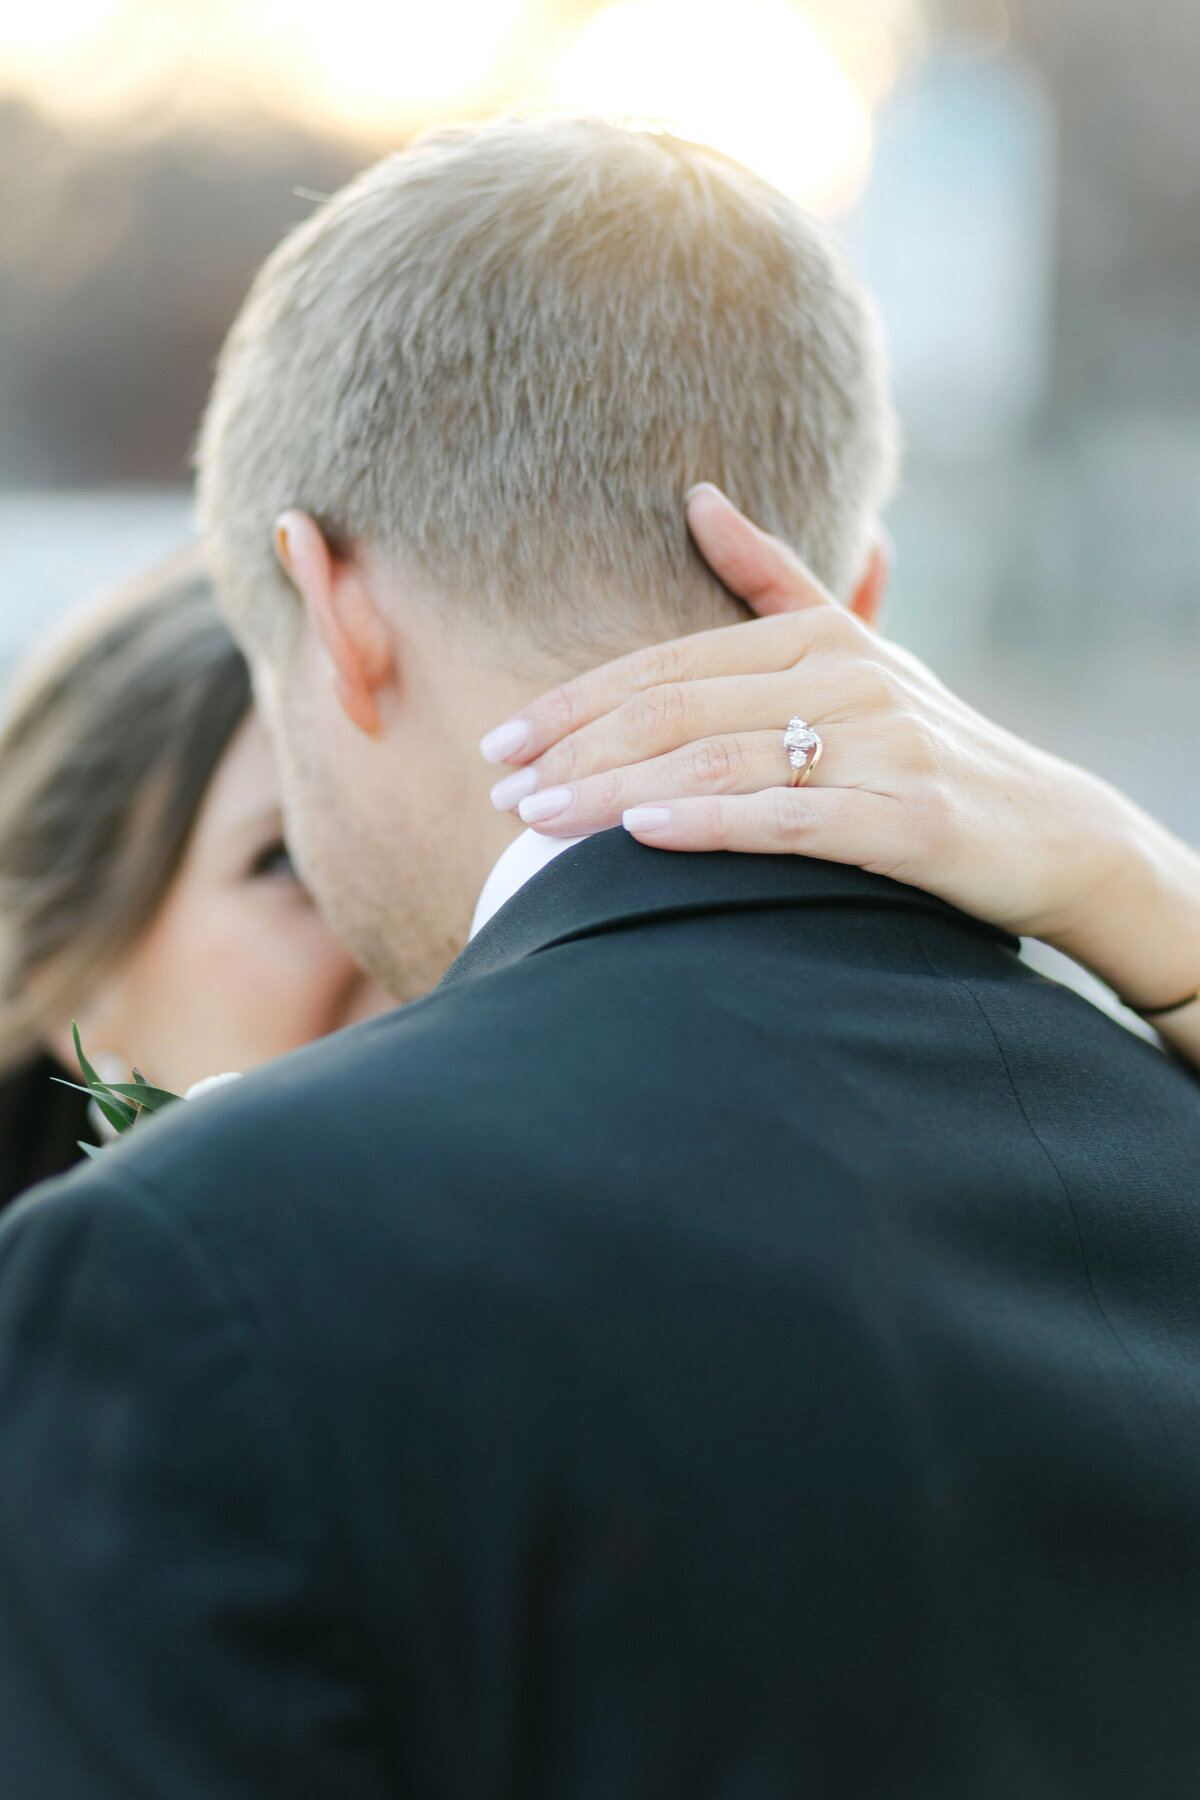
517	786
540	807
505	741
645	818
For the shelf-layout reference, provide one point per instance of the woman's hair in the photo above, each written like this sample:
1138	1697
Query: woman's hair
105	755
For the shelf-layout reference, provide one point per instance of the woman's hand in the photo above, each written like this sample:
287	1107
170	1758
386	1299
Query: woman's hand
684	743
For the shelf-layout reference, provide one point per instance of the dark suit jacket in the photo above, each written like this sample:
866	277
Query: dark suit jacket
739	1338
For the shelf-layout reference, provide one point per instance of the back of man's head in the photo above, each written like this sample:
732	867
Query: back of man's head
500	359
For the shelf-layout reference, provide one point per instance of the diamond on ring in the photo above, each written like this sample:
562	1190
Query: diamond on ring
799	740
803	746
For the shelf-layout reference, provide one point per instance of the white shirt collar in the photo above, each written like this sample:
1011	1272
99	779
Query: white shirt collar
517	865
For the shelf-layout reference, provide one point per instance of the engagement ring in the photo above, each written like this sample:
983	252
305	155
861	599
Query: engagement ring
804	747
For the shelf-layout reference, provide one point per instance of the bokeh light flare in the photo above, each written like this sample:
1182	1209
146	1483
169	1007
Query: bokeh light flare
374	63
751	77
33	38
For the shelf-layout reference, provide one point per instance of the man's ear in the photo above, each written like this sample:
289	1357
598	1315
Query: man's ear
352	632
867	600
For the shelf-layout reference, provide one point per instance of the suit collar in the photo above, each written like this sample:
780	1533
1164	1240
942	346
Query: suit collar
611	880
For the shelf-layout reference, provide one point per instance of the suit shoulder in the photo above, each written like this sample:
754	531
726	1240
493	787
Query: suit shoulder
370	1103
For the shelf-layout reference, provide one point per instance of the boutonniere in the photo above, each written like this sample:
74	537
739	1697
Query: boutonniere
124	1104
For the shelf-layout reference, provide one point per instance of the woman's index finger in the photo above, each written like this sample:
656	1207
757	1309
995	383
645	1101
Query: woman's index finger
555	714
752	647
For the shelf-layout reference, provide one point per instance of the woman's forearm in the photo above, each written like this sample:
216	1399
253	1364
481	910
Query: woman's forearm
1137	922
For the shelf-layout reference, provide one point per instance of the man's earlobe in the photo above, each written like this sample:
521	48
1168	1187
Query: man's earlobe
344	615
867	601
359	705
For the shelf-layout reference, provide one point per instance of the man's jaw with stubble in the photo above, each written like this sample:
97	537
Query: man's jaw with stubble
395	949
380	872
402	911
396	837
402	900
416	917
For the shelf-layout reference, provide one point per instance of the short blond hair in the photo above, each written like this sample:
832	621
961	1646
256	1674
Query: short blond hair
501	358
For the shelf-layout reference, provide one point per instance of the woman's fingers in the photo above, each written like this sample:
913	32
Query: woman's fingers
756	567
849	825
665	718
755	647
718	765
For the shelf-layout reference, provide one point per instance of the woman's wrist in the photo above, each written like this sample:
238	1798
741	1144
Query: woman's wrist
1135	919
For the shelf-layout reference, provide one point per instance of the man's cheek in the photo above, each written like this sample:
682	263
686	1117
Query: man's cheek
265	684
302	824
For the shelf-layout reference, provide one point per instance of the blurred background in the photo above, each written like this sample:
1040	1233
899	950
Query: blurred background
1016	179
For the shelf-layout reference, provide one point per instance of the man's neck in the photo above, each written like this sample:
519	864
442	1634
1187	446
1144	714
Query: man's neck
463	701
449	697
484	833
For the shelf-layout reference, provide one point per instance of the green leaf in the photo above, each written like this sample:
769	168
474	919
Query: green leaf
121	1117
89	1074
150	1099
61	1081
121	1102
119	1113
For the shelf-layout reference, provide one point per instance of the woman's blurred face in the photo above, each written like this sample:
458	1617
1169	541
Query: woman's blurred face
238	966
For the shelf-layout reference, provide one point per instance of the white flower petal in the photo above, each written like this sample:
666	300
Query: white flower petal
210	1081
